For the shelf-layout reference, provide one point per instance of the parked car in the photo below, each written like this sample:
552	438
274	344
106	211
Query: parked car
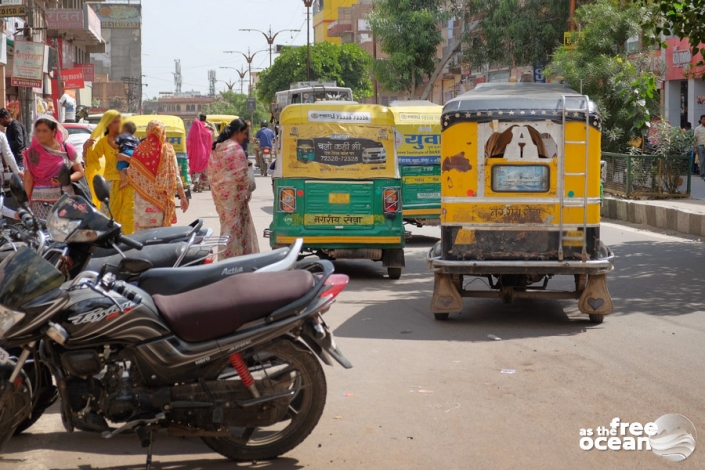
78	133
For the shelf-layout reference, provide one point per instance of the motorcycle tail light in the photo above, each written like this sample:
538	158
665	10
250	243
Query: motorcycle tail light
391	199
287	200
336	283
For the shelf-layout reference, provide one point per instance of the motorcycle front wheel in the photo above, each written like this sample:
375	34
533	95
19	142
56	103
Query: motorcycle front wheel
305	409
15	405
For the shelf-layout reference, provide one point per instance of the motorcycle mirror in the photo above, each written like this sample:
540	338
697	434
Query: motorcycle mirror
17	190
134	266
101	189
64	175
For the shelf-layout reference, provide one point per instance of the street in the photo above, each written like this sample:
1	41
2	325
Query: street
426	394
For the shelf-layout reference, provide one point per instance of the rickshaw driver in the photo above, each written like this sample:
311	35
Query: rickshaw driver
265	136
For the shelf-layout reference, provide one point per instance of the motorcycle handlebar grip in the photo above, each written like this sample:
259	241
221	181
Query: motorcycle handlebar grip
26	219
130	242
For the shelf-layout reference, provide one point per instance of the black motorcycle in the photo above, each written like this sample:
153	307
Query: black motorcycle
232	362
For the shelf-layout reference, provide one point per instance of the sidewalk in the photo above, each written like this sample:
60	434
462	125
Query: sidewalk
686	216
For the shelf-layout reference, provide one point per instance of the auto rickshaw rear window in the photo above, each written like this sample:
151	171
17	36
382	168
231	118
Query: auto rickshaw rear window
521	178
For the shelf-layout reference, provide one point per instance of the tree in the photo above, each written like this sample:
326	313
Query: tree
348	65
408	32
235	104
514	32
680	18
622	84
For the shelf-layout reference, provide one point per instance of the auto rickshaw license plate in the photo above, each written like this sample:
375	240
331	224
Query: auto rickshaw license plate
338	198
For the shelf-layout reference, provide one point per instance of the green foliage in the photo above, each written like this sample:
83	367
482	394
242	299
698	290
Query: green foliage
622	85
233	103
514	32
348	65
680	18
408	32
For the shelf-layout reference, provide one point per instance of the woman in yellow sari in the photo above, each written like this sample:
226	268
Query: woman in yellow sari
155	176
100	154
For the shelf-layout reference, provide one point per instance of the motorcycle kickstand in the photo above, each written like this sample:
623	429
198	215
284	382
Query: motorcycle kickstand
147	437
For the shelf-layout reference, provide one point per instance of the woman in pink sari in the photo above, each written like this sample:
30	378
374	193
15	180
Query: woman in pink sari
43	159
198	147
230	188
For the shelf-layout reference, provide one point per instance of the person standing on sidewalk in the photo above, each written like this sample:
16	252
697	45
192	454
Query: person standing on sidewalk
198	146
16	134
700	144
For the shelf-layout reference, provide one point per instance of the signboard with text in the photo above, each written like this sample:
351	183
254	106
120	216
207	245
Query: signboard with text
72	79
12	11
88	72
64	18
28	64
119	15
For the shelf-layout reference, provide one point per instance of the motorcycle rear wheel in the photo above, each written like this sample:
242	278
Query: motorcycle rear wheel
304	413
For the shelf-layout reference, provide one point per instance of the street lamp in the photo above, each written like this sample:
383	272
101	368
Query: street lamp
249	57
307	4
242	74
271	37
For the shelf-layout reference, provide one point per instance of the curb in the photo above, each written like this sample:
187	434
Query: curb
643	213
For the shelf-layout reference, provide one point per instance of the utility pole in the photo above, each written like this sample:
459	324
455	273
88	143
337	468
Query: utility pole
307	4
271	37
241	73
26	101
249	57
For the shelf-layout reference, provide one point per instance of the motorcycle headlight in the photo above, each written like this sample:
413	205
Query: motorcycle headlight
59	228
8	319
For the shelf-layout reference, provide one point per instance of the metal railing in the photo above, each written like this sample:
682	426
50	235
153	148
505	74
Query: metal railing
647	176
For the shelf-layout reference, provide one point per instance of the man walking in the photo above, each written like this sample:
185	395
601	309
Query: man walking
700	144
16	134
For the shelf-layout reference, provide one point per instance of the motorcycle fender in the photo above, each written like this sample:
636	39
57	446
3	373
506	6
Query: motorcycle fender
324	348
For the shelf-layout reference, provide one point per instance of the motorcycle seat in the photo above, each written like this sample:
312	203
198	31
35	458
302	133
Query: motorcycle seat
171	281
154	236
220	309
160	256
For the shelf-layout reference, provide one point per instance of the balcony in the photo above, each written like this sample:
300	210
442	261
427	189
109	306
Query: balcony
81	26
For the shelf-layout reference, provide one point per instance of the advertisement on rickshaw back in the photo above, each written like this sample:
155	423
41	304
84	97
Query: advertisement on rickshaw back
330	150
419	139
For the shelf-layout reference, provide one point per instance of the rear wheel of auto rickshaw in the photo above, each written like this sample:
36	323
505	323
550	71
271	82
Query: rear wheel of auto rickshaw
394	273
441	316
596	319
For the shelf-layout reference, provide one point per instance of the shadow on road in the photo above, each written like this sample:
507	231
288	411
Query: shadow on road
663	278
88	444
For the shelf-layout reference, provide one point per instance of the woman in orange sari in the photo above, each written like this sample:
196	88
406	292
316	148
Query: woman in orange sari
154	174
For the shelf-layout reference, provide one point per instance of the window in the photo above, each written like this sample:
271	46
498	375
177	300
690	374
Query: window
178	107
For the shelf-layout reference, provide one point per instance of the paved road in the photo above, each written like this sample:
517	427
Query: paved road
426	394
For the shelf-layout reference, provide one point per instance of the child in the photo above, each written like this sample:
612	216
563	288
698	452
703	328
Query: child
127	143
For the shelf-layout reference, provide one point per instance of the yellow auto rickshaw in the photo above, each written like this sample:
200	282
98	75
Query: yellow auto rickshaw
337	183
175	135
220	120
520	186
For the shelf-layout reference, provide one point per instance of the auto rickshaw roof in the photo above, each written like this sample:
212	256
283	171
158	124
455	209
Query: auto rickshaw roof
519	102
173	124
221	118
404	111
299	113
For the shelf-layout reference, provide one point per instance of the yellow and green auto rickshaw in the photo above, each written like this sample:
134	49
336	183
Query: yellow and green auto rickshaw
220	120
418	125
175	135
337	185
520	188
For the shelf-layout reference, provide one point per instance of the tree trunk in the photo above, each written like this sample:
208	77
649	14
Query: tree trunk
413	81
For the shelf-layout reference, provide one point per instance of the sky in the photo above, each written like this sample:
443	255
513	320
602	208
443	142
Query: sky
197	32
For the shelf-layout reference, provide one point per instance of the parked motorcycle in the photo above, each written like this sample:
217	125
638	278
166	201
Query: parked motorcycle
229	362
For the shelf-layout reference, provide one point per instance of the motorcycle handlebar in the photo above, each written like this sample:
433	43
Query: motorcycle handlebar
26	219
130	242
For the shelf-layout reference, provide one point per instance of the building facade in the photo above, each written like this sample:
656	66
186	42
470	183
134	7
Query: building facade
185	105
324	13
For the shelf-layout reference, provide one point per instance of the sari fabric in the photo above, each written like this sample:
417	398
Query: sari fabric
198	146
153	173
44	163
230	188
96	156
